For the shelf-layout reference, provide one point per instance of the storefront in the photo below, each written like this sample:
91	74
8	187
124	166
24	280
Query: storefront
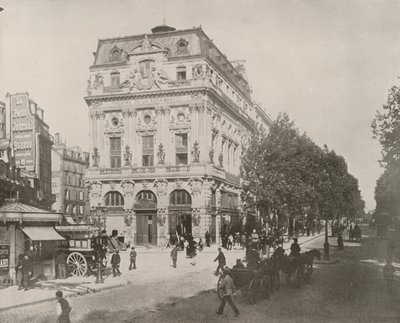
27	229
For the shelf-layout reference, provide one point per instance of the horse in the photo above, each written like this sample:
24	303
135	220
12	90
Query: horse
301	267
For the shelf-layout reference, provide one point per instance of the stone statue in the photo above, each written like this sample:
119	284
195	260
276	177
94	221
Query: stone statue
196	152
197	71
161	154
159	77
127	156
221	159
89	87
98	81
95	157
211	154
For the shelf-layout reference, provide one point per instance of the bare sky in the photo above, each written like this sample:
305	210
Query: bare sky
328	64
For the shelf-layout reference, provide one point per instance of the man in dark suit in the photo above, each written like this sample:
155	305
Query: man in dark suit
115	261
26	268
221	261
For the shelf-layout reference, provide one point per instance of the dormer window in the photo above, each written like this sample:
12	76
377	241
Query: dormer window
181	46
115	54
145	68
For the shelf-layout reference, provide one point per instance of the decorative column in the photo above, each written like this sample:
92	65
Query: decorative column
101	140
161	187
167	135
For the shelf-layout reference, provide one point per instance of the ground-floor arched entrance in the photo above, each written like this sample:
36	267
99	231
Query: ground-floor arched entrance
146	218
180	214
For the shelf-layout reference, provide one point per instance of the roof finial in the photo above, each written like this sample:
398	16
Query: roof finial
163	5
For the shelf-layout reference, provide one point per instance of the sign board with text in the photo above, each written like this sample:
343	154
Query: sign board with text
23	131
4	258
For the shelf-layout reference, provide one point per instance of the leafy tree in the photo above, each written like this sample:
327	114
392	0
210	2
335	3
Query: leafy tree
288	174
386	127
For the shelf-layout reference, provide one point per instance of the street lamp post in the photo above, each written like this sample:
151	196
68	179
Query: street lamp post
326	244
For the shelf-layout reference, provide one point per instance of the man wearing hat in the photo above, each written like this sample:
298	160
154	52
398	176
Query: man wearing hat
295	248
115	261
221	261
132	256
228	288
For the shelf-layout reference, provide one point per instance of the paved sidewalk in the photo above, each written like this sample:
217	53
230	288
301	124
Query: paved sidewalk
153	264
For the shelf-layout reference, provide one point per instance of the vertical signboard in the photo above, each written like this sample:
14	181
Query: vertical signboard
4	258
22	132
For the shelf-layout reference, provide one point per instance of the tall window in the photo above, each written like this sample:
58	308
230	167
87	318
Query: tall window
115	79
181	149
181	73
148	151
115	152
114	199
145	68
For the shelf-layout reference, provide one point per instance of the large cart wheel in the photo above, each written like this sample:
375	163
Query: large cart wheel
220	290
255	290
77	264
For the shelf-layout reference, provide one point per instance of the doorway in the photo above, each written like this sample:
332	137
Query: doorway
146	228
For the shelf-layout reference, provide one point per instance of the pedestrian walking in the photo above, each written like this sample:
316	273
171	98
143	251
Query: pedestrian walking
61	261
63	308
230	242
26	269
221	261
174	255
228	288
115	262
208	239
18	270
132	257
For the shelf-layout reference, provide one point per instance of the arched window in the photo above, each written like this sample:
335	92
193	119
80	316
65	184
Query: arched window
180	197
114	199
146	195
146	67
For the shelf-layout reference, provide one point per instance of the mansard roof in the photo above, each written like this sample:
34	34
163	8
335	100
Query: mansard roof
176	44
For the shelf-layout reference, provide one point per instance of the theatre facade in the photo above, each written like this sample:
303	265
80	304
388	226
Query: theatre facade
169	116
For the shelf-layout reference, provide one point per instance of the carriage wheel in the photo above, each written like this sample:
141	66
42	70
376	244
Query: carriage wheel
220	290
308	272
77	264
255	289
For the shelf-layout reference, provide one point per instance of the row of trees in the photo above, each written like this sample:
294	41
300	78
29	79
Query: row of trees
289	175
386	128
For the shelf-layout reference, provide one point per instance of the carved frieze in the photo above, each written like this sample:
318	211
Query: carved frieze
95	189
196	185
161	186
128	188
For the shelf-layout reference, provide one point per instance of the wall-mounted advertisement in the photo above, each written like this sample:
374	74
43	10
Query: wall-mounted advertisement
23	138
4	258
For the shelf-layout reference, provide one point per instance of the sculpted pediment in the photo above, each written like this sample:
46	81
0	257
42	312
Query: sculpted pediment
147	46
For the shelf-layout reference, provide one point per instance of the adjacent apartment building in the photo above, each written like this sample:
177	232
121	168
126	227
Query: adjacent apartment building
28	139
169	115
68	180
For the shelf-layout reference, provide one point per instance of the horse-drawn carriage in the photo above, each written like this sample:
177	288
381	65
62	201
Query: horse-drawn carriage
355	233
301	268
86	246
254	283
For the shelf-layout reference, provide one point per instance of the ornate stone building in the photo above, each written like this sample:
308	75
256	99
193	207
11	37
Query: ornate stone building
168	117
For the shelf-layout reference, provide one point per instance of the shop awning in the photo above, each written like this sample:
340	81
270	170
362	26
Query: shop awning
42	233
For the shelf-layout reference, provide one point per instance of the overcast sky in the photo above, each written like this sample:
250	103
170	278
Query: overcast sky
328	64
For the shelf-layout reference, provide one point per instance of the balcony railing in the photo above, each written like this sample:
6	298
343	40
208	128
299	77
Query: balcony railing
110	171
174	169
149	169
